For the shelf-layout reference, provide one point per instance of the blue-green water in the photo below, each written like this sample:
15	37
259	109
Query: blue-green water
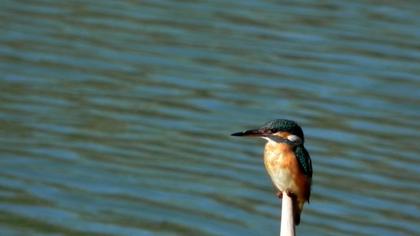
115	115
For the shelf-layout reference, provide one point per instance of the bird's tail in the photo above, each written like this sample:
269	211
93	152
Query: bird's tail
297	209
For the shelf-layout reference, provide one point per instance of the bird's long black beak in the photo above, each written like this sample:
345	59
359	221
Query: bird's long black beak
252	133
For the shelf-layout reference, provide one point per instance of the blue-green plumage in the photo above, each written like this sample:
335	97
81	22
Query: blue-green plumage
305	164
287	161
284	125
304	160
301	153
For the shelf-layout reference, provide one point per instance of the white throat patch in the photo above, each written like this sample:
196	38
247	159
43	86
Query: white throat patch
273	139
291	139
294	139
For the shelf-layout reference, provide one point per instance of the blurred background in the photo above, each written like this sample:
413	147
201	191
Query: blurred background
115	116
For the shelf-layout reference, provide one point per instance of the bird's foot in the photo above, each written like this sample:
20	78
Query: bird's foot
290	194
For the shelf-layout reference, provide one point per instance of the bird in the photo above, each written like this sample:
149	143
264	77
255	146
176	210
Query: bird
286	160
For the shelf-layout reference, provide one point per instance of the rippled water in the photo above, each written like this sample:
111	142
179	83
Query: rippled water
115	115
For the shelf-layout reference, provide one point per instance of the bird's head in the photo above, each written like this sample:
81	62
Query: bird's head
278	131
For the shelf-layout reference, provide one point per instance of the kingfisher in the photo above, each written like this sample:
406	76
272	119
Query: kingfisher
286	160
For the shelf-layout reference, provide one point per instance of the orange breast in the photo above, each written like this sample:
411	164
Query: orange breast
284	170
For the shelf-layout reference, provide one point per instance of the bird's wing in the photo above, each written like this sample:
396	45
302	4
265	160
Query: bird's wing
305	164
304	160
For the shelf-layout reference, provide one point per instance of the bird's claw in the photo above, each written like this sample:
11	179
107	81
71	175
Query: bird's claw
289	193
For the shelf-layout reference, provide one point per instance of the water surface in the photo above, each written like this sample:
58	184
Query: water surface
115	115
